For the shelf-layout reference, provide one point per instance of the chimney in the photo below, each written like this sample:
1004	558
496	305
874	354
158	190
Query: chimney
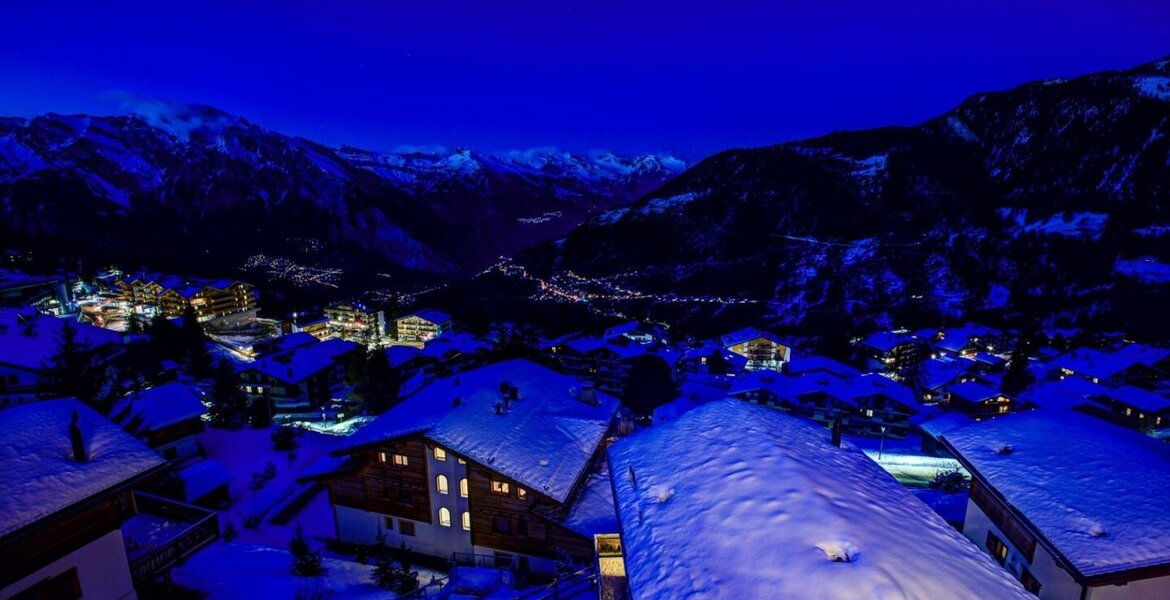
79	453
837	432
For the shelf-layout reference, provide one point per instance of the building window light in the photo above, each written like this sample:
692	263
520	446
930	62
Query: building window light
441	484
444	516
500	487
401	460
440	454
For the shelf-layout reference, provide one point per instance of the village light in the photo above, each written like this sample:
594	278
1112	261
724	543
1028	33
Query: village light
882	443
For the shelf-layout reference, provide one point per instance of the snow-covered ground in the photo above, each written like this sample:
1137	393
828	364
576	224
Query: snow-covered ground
248	451
226	571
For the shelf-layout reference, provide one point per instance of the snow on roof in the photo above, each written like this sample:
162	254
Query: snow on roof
399	355
437	317
820	363
204	477
298	364
1065	474
886	341
944	423
455	341
544	440
939	372
159	407
285	342
28	338
1095	363
1065	394
594	512
973	391
1140	399
748	334
36	458
734	500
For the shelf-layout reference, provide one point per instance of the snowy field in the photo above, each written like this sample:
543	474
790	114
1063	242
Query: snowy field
248	451
249	572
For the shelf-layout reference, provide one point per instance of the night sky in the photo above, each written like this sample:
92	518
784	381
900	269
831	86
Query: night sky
623	75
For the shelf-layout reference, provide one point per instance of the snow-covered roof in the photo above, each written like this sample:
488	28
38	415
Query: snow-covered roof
543	440
159	407
437	317
28	338
1095	363
594	512
203	477
944	423
1140	399
973	391
885	341
298	364
820	363
399	355
734	500
455	341
36	459
285	342
1065	394
748	334
1095	491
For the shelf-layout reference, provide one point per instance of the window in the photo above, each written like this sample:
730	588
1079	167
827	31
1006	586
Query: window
388	523
869	412
441	484
406	527
998	549
502	525
65	586
466	521
460	461
383	456
444	516
405	498
521	493
440	454
463	487
1029	582
401	460
500	487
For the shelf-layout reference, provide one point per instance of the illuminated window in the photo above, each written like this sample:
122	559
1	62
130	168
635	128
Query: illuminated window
521	493
869	412
500	487
441	484
463	487
383	456
401	460
461	461
444	516
440	454
466	521
998	549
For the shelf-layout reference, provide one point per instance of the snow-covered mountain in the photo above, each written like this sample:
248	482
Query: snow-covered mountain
1032	202
191	183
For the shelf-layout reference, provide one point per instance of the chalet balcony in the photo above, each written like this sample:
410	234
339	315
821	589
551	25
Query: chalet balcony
163	533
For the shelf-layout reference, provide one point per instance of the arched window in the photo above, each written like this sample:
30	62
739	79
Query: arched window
463	487
466	521
444	516
441	484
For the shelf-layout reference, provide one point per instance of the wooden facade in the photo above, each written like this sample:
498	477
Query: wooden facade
506	522
386	488
25	551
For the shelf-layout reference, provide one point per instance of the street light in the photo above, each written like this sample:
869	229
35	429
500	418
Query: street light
882	444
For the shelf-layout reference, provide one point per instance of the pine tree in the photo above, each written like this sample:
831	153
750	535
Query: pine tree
385	574
306	561
1017	378
194	343
70	372
228	405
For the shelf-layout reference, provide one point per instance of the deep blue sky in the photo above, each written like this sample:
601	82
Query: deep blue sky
580	74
